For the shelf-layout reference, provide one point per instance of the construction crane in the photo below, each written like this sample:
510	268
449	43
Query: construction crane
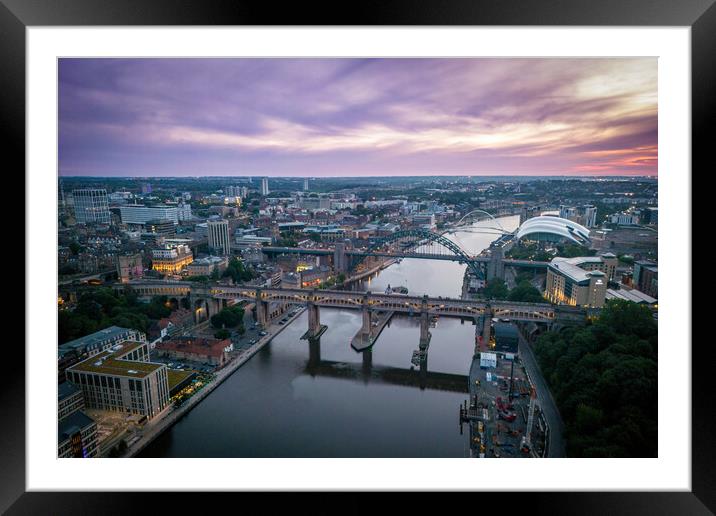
527	439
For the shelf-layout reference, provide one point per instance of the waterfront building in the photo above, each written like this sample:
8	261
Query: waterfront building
218	235
171	259
122	379
91	206
580	281
196	349
90	345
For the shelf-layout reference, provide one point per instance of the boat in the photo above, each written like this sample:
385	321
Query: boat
396	290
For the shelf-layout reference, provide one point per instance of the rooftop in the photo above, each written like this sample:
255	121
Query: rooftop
571	267
72	424
65	390
196	346
110	362
94	339
630	295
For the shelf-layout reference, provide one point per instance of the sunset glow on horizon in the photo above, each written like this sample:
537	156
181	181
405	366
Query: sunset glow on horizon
358	117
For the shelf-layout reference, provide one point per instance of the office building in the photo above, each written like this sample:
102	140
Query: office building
646	278
139	214
305	184
160	227
77	437
91	206
69	400
264	186
206	266
90	345
122	379
245	241
171	259
580	281
218	235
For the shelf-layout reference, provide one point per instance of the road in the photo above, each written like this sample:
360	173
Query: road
556	446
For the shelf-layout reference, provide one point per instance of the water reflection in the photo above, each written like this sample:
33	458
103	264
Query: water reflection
324	399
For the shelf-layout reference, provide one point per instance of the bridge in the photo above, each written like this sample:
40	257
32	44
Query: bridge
414	243
208	299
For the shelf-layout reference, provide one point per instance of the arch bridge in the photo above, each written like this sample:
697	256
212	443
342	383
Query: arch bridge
419	243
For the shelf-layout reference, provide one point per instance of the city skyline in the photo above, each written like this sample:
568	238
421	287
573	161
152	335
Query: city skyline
357	117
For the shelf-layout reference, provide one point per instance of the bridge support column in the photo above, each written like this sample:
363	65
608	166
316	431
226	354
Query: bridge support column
487	326
261	313
340	261
367	321
315	328
367	361
314	352
424	331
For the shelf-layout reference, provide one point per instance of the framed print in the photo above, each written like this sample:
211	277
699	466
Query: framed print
380	252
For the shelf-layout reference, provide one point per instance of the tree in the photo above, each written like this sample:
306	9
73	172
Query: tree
496	289
525	292
604	379
222	334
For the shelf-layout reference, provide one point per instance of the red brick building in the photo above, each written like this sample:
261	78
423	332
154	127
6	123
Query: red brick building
195	349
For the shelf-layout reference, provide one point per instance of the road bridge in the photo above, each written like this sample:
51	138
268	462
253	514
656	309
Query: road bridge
208	299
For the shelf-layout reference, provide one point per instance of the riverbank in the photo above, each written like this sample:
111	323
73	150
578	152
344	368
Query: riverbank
155	428
383	265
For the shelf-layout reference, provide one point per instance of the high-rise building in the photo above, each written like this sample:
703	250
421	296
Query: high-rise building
585	215
305	184
264	186
91	206
218	234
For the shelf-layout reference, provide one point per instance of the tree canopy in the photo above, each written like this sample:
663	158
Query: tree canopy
604	380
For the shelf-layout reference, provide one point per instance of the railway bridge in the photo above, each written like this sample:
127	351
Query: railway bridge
208	299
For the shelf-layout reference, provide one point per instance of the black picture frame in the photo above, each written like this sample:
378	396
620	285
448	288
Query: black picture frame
700	15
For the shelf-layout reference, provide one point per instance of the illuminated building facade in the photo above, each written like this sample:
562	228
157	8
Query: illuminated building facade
171	259
580	281
122	379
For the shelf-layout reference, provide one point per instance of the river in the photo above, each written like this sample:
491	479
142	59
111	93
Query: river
279	405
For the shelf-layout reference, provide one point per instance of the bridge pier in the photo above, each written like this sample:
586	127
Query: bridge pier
261	312
314	352
424	330
487	326
315	328
367	321
367	361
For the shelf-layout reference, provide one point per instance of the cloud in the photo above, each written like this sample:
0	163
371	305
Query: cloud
359	115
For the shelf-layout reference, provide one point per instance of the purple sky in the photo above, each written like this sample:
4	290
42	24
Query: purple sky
328	117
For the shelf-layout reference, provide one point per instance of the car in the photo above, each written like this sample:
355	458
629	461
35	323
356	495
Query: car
263	333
